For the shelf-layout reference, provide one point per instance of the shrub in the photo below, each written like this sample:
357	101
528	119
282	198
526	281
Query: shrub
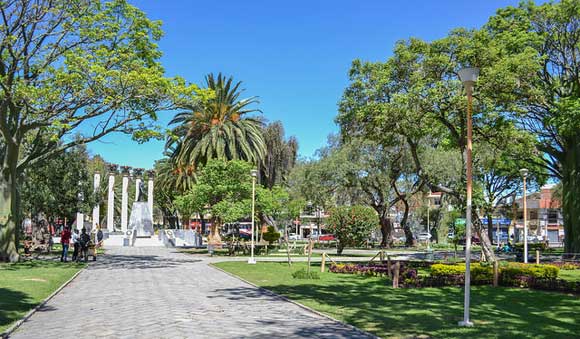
541	271
363	269
304	274
352	225
409	278
438	270
271	235
481	274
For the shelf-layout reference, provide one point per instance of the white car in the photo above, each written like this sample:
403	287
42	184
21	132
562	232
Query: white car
423	236
293	236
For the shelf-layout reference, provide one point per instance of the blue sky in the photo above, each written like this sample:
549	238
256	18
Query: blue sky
294	55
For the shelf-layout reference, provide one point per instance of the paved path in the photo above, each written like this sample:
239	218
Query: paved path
159	293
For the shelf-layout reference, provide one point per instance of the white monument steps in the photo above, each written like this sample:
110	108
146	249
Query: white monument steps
116	240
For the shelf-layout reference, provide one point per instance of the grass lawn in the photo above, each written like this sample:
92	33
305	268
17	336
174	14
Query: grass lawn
26	284
368	303
570	275
225	253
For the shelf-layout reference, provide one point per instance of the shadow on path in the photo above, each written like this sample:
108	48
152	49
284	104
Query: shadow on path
122	261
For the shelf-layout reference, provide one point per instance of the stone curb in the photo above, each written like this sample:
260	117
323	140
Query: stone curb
6	334
274	294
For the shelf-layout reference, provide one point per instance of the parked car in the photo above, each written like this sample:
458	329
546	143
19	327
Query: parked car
293	236
326	237
450	235
535	238
423	236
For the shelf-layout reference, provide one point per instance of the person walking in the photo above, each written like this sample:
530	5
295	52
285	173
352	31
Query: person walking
99	243
64	241
75	241
84	242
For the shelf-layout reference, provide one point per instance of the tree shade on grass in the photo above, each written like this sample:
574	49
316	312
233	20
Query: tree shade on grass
370	304
25	285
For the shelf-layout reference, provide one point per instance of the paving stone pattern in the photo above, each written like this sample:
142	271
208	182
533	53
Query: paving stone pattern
153	292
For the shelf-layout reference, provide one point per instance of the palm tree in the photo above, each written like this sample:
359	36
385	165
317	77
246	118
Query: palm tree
217	128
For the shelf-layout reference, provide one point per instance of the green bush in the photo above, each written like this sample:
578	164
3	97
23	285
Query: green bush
513	270
438	270
481	273
304	274
271	235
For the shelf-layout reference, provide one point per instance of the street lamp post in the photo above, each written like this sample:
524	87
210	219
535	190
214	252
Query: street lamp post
468	77
524	173
254	174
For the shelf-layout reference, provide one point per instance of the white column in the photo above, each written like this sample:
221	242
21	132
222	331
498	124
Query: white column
80	221
124	202
96	209
150	194
111	203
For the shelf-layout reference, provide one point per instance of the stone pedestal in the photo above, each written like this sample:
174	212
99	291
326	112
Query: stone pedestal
140	220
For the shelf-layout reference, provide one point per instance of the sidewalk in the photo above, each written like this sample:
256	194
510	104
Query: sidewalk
153	292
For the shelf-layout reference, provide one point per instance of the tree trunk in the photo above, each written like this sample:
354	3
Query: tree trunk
409	241
9	209
339	248
214	235
490	227
287	245
486	246
386	231
571	194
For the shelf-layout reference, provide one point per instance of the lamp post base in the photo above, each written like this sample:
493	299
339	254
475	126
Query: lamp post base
465	324
252	261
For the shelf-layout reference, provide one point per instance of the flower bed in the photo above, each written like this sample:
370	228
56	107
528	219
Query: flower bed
363	269
544	277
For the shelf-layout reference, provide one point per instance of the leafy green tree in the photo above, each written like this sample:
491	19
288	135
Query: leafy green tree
352	225
416	98
223	190
86	68
59	187
532	72
217	128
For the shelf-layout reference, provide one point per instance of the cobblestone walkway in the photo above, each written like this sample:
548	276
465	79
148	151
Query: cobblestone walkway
159	293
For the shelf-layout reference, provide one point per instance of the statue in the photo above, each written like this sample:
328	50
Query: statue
141	197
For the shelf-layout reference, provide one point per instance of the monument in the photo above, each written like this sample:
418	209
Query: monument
140	220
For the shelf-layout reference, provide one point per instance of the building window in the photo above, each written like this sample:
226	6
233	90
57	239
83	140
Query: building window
552	216
533	215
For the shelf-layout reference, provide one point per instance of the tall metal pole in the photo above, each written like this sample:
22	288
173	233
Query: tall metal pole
252	260
468	76
428	226
466	300
525	225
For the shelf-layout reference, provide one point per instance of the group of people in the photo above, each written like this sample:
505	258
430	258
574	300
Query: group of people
81	244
